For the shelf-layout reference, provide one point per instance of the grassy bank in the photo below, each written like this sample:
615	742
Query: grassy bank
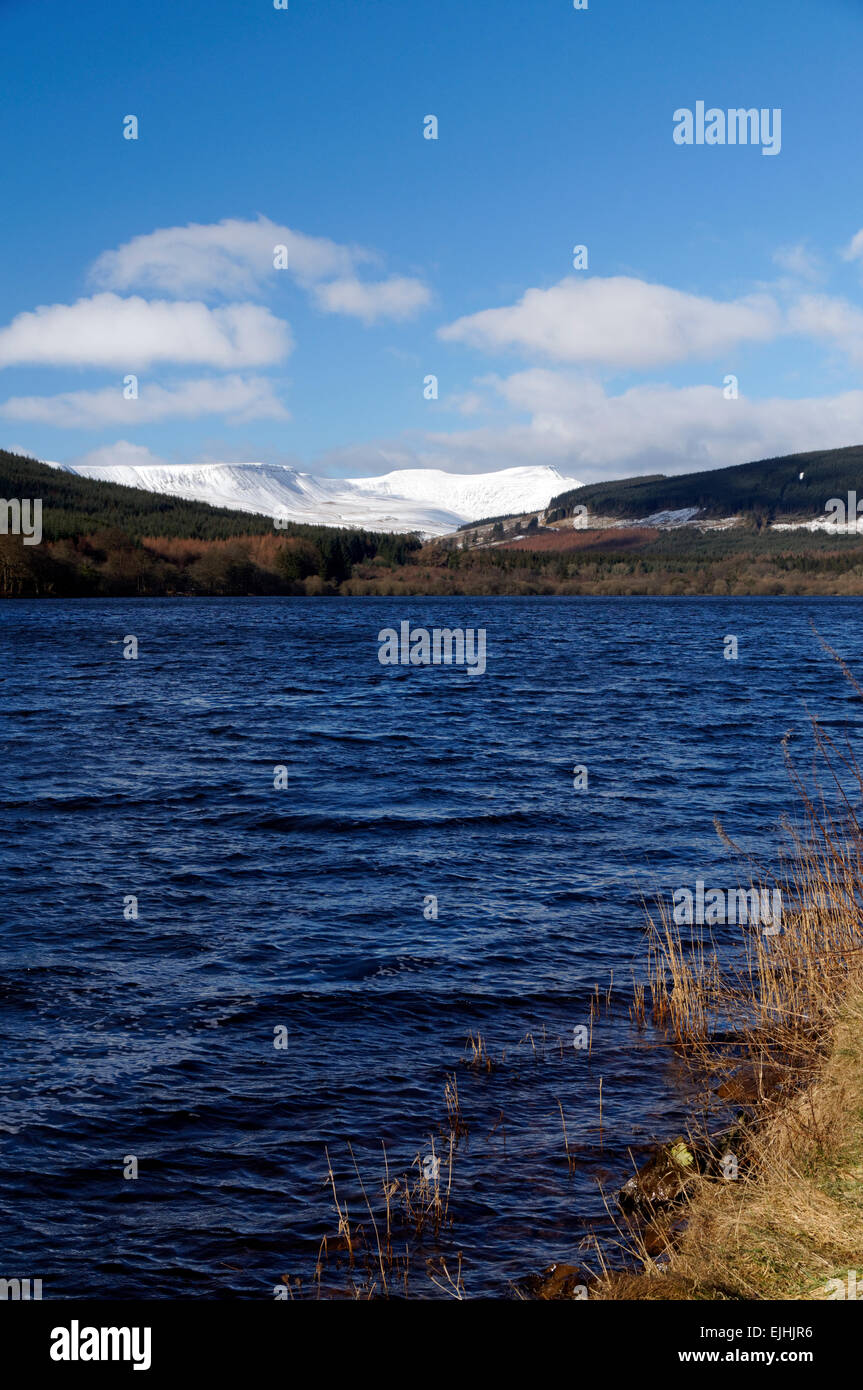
769	1205
793	1221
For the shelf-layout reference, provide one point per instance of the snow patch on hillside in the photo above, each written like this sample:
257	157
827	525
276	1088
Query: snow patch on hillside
430	501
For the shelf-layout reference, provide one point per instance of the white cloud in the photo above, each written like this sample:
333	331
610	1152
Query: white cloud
798	261
236	257
240	398
228	257
120	454
397	298
854	250
108	331
586	433
468	402
619	322
660	428
831	319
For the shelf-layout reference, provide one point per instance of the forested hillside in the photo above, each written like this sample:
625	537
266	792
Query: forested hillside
102	538
769	490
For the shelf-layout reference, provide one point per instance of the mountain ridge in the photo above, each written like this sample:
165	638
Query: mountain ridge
429	501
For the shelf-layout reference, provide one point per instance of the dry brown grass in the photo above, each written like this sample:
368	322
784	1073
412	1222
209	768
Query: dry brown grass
794	1218
780	1017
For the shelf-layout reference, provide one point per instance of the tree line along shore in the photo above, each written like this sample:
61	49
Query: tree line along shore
103	539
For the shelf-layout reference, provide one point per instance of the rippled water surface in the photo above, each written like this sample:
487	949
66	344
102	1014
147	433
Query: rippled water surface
303	908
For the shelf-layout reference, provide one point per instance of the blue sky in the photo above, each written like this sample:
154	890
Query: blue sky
410	257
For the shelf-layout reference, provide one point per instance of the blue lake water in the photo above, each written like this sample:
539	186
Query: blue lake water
302	908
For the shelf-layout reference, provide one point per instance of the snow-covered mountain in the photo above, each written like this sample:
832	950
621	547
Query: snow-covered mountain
415	499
